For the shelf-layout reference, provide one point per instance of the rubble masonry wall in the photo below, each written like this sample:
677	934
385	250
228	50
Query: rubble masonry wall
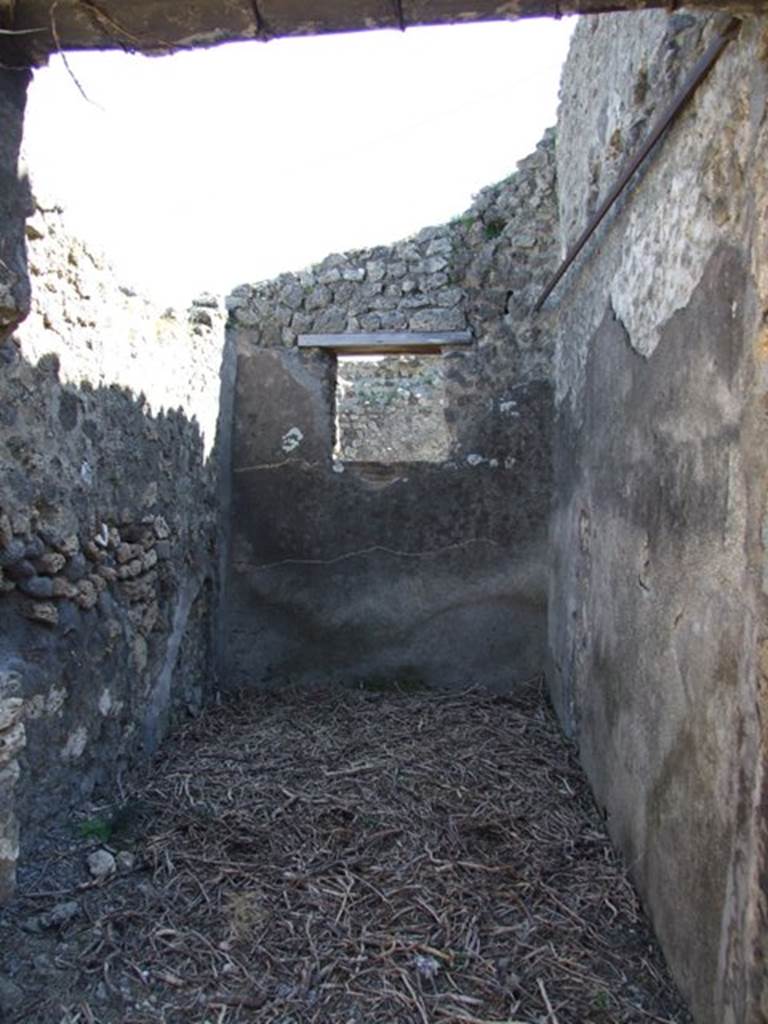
108	520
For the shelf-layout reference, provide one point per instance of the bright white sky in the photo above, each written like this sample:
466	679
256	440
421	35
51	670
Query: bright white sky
207	169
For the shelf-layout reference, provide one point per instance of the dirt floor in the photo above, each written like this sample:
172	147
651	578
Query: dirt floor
342	858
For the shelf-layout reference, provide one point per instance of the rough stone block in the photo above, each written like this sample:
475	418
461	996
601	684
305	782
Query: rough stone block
50	563
76	566
37	586
375	271
127	552
98	581
34	548
87	594
162	530
69	545
42	612
141	589
21	523
12	742
318	297
11	711
21	570
93	552
356	274
9	854
11	553
435	264
62	587
150	617
438	320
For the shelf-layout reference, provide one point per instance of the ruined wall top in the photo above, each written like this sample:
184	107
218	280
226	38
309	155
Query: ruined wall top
482	271
120	333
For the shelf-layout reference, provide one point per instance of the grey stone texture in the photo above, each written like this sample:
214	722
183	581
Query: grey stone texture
483	271
108	520
12	742
658	594
433	571
15	202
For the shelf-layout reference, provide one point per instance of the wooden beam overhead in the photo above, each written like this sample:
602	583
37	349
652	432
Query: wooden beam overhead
157	26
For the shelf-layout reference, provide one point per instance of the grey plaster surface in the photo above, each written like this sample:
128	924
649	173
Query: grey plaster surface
657	611
352	572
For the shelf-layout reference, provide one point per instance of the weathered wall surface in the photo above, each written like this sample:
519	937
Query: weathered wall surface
658	600
170	358
161	25
107	530
15	202
427	571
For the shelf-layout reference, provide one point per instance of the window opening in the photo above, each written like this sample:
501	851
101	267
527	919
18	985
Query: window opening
391	409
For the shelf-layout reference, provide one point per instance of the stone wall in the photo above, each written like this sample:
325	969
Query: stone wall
658	598
108	520
15	201
434	572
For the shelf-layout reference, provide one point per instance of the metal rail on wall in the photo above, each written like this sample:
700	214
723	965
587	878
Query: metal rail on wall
697	75
399	15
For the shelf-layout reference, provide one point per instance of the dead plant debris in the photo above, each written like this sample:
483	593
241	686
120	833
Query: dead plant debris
348	858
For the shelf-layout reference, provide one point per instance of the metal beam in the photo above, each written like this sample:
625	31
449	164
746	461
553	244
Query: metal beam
696	76
387	342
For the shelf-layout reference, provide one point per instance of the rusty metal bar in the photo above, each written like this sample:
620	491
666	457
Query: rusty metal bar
697	75
386	342
258	20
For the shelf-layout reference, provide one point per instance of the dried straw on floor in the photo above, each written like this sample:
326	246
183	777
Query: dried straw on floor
362	858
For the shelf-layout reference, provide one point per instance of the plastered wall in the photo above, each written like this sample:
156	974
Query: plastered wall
657	617
427	572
